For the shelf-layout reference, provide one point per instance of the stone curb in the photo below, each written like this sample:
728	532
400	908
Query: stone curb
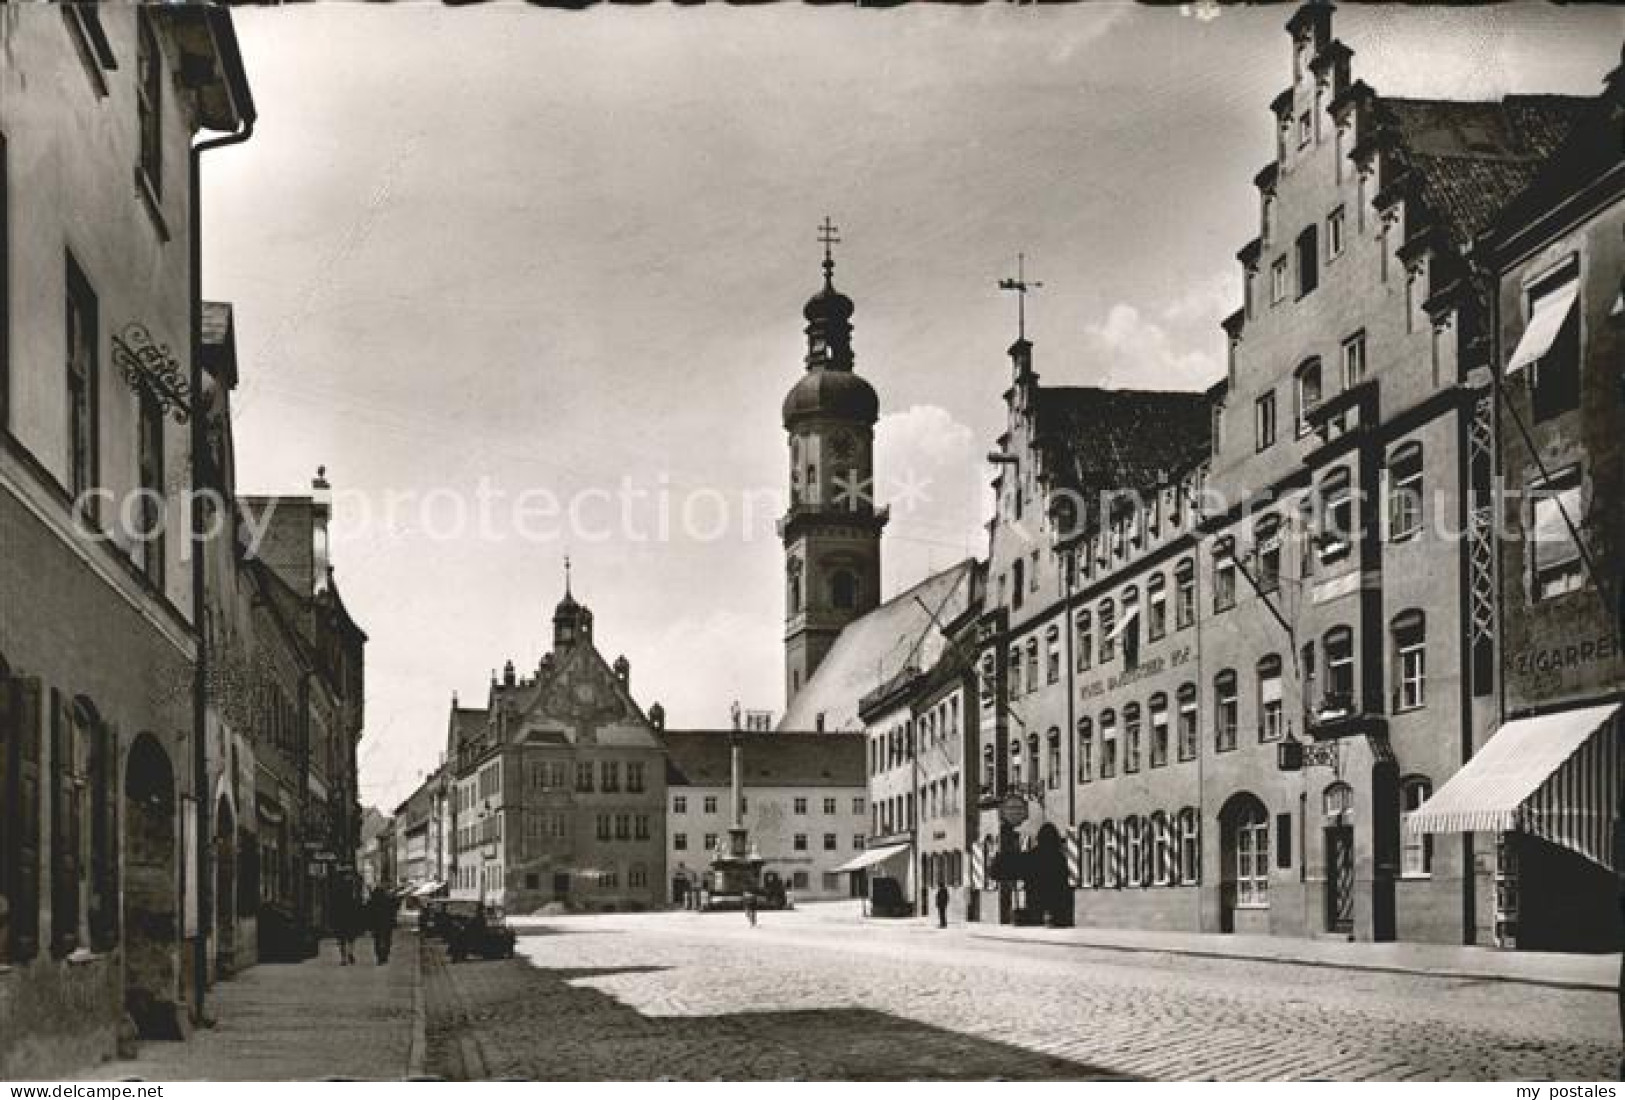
1325	964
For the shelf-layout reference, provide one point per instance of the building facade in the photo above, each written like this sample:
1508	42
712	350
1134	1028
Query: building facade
806	806
105	802
558	788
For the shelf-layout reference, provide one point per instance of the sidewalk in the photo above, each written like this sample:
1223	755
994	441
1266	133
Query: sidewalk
1565	971
308	1021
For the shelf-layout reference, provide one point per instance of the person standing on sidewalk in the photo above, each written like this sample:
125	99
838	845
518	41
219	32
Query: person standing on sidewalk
346	921
942	906
382	909
750	908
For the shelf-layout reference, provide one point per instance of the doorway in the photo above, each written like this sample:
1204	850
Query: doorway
225	891
152	963
1337	809
561	886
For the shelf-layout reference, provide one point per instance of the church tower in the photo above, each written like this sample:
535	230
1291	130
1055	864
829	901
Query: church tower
832	530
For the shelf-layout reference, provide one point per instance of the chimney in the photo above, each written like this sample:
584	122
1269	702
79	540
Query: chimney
321	510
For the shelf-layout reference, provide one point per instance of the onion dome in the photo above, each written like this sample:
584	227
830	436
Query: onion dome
831	394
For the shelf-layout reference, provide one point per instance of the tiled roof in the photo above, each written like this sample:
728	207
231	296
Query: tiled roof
1121	439
701	758
1472	158
1595	146
873	649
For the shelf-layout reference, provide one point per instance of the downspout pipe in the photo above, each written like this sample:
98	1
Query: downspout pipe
220	27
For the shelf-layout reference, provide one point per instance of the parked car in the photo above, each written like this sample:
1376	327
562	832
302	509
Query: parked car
486	934
440	915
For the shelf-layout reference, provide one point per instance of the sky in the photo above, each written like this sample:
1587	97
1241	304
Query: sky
528	283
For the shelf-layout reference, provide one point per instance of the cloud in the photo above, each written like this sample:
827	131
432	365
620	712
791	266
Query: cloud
931	471
1130	350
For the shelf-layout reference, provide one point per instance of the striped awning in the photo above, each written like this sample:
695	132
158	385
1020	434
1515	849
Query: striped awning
871	857
1556	776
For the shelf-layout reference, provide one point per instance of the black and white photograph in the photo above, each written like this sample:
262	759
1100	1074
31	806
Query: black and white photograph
811	542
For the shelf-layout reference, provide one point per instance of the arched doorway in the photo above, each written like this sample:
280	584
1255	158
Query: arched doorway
1244	864
151	968
1337	812
225	891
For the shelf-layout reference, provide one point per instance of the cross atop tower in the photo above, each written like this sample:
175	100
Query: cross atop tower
828	236
1021	286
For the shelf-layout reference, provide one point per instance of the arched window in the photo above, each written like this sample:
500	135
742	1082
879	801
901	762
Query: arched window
1131	738
1110	846
1338	646
1337	804
1405	492
1306	385
1032	757
843	590
1224	574
1226	716
1410	660
1416	850
1267	551
1271	719
1247	829
1052	655
1053	771
1336	516
1012	674
1088	856
1133	852
793	580
1108	632
1108	744
1188	721
1129	630
1086	750
1162	850
1086	640
1032	664
1184	594
1190	847
1156	595
1159	730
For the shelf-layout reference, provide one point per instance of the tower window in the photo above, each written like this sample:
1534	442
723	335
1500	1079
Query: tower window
844	590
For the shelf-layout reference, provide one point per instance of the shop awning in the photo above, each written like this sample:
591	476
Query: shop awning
1546	320
1556	776
871	857
427	889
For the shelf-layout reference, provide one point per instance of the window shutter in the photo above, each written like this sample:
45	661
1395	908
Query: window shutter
106	846
64	831
24	793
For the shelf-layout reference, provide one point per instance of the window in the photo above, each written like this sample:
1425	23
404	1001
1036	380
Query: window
1018	583
637	875
1190	847
1271	722
857	842
1053	770
1052	655
1131	738
1337	516
1410	660
1163	852
584	774
1108	632
1306	384
1156	594
1086	640
800	805
1224	575
1134	852
843	588
149	106
679	804
1129	631
634	777
1405	492
1187	721
1334	231
1354	360
1224	710
1159	730
1184	594
640	827
1416	852
1013	673
1307	249
829	842
1554	516
1552	344
1267	534
829	805
1264	421
710	842
857	804
612	775
83	373
1108	744
1306	129
801	842
603	827
1339	647
1111	869
623	826
1032	756
1252	847
710	804
1088	855
150	473
1278	281
1086	750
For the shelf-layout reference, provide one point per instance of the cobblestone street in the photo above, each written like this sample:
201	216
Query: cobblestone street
700	996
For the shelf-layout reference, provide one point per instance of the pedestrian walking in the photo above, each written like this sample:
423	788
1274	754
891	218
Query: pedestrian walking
750	908
382	909
346	921
942	906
